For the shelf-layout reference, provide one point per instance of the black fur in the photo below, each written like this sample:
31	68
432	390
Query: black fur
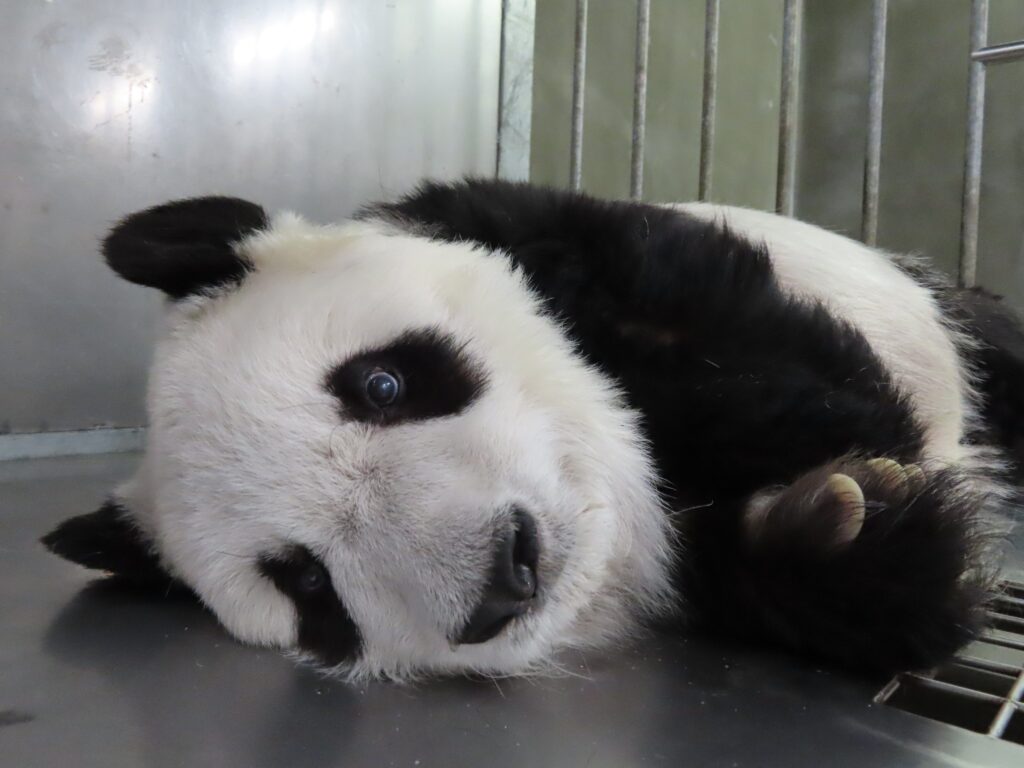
743	390
905	594
108	540
741	385
184	247
1000	363
326	629
436	378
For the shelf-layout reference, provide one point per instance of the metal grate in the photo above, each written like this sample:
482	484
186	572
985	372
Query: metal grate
982	689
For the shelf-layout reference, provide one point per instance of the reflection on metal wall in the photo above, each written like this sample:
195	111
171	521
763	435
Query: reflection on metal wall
113	105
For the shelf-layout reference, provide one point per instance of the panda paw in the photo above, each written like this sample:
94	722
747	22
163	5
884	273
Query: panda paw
825	511
870	562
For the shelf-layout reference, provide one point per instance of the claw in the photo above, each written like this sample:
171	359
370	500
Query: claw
851	501
893	474
916	479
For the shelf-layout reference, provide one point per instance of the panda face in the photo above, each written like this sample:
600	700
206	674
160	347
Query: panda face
379	452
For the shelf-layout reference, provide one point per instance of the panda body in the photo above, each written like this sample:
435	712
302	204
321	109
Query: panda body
900	318
604	416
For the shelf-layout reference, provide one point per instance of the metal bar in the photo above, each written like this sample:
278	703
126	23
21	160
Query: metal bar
873	150
1002	718
1004	638
1006	623
515	89
997	54
579	73
785	180
972	154
959	690
38	445
986	664
707	111
643	42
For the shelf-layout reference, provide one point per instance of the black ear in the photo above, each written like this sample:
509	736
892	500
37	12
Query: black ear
185	246
107	540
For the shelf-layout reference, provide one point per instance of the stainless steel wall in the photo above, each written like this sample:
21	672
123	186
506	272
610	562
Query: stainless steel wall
113	105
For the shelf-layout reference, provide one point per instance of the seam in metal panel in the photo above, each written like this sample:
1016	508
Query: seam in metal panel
39	445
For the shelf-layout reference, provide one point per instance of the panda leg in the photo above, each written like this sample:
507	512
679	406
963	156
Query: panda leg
864	562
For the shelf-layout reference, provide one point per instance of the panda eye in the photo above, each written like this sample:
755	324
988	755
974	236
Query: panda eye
382	388
313	578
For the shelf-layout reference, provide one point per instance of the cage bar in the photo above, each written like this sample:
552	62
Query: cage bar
707	110
873	150
1002	719
785	180
969	213
995	54
579	74
643	42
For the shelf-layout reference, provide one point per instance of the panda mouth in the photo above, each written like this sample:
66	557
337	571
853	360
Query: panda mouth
512	584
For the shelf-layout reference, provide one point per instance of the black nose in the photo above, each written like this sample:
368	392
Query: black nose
512	582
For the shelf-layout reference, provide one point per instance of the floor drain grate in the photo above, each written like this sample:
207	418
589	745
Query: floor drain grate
982	689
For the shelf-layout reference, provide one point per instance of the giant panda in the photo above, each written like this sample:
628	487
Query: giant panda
472	428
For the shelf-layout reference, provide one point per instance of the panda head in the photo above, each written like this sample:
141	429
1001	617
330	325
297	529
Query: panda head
375	450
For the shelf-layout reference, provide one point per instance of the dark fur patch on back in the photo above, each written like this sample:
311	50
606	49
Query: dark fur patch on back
435	375
999	362
326	629
740	384
186	246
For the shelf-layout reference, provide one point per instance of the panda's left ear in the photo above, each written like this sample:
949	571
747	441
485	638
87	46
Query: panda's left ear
186	246
108	540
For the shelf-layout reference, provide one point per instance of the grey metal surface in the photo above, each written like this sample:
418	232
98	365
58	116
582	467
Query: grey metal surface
112	105
969	215
709	95
579	81
873	147
36	445
95	676
643	43
515	89
792	34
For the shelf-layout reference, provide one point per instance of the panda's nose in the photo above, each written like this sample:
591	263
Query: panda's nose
512	582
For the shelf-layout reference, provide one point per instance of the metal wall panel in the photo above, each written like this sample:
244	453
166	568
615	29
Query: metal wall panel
113	105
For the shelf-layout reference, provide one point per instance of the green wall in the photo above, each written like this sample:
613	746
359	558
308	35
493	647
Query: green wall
747	125
923	136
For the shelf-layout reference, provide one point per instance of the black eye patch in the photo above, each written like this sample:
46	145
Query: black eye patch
325	627
420	375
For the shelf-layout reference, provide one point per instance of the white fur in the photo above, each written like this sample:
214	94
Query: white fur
247	453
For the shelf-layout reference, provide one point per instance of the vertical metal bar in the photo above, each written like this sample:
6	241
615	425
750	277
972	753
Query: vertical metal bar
579	73
707	110
1002	718
873	150
972	153
785	180
643	41
515	89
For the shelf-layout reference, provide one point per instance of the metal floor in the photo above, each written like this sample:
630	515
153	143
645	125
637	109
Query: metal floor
91	676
